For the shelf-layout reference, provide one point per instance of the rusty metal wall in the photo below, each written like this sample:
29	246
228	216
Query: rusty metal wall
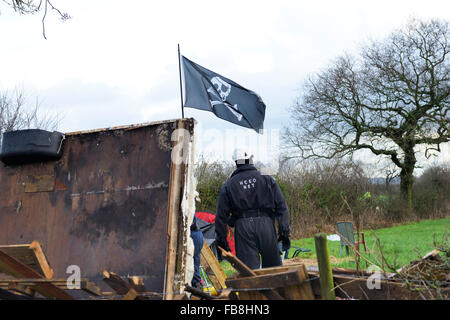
103	206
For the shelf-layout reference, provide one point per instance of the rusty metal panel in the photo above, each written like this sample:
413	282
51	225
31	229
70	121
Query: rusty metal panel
102	206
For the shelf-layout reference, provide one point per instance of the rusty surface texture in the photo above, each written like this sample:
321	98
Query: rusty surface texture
102	206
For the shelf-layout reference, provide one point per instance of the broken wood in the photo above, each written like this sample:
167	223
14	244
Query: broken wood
13	267
279	280
119	285
354	286
212	268
31	255
20	288
130	290
85	284
137	283
291	283
11	295
244	270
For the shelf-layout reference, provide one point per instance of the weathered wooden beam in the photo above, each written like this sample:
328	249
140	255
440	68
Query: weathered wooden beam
137	283
276	280
130	295
31	255
244	270
11	295
119	285
212	268
85	284
291	282
42	259
323	259
17	269
174	239
20	288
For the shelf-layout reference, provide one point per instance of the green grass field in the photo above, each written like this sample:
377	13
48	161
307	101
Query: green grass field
400	245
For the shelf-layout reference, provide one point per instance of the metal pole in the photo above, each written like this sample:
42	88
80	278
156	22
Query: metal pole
181	83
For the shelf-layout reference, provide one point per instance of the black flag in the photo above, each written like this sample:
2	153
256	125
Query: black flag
207	90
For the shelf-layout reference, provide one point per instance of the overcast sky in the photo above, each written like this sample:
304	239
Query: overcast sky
115	62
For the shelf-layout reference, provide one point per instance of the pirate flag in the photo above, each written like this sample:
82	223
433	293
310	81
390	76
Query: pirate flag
207	90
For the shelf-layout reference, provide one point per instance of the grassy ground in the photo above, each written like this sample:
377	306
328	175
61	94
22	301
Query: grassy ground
400	245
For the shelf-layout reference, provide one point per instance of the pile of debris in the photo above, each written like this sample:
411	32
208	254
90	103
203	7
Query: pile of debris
429	276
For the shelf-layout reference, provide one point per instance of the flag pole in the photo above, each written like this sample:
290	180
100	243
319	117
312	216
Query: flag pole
181	83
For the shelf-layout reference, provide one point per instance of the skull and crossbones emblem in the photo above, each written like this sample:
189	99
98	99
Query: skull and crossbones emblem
222	88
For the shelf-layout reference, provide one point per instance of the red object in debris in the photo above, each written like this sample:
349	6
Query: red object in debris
211	218
206	216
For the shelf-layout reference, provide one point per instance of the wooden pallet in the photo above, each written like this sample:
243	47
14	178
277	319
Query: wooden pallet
31	255
11	265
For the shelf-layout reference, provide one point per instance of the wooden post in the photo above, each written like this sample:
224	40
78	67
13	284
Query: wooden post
325	273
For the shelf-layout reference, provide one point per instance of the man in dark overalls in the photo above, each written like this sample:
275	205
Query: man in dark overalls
251	202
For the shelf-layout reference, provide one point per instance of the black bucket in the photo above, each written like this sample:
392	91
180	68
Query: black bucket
31	145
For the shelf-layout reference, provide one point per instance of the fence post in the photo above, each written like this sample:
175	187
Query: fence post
325	273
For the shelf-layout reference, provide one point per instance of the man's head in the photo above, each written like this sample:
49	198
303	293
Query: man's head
242	156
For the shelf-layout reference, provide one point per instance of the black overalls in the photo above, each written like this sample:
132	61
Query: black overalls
251	202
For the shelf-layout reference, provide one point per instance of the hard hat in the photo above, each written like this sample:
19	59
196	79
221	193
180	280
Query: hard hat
242	156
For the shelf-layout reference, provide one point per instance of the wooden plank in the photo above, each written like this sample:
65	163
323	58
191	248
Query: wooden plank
90	287
212	268
116	283
294	287
276	280
323	259
20	288
10	295
246	271
302	291
305	289
175	186
272	270
31	255
17	269
42	259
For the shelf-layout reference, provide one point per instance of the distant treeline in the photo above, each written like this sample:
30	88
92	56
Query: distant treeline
319	194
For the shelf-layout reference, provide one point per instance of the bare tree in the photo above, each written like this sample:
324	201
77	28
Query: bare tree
15	114
390	99
35	6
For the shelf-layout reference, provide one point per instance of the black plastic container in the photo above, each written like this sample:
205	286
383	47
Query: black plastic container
31	145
